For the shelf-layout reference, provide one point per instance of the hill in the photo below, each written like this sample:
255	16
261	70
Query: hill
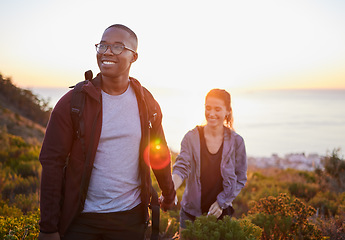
21	112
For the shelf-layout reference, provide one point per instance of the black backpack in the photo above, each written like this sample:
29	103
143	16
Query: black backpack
77	106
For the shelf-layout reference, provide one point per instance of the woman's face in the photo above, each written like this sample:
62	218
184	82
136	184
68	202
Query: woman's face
215	111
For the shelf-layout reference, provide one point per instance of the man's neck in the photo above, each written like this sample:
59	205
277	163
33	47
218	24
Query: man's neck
115	86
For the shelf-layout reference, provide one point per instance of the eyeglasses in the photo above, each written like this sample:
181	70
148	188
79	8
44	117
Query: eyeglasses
116	48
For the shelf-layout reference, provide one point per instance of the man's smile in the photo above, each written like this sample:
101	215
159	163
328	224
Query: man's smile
107	62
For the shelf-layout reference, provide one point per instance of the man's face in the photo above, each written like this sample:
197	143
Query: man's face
112	65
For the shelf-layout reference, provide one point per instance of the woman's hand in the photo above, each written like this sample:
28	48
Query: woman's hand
215	210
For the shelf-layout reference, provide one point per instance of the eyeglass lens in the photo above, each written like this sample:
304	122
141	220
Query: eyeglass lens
115	48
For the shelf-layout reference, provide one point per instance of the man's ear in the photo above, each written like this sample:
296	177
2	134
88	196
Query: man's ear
135	57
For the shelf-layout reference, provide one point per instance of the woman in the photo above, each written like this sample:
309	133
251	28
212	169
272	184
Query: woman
213	162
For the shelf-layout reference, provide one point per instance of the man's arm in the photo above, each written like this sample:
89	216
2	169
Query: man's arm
55	148
166	184
163	175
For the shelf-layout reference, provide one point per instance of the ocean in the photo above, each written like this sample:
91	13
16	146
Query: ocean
271	121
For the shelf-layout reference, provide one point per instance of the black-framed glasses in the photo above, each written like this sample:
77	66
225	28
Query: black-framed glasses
116	48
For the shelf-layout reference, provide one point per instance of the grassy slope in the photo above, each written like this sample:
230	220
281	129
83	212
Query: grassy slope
16	124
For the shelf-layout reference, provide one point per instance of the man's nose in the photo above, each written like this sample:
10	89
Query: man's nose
108	51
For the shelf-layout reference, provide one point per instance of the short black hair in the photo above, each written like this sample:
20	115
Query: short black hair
127	29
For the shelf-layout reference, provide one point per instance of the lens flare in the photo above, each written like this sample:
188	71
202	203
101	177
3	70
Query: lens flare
157	155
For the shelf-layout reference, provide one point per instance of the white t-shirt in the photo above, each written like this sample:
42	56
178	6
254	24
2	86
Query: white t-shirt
115	179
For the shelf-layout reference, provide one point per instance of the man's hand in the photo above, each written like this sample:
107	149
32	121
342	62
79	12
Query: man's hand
49	236
215	210
167	206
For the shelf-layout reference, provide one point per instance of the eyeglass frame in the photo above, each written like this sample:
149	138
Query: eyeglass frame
109	45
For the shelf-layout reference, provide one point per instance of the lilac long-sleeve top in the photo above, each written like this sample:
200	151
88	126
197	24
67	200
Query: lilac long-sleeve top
233	170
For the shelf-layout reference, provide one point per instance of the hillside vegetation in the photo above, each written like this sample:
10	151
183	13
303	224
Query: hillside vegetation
21	112
274	204
23	102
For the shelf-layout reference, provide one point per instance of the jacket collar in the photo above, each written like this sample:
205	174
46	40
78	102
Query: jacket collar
229	139
93	87
135	84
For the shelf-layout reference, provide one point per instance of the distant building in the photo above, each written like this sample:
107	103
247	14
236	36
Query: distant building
297	161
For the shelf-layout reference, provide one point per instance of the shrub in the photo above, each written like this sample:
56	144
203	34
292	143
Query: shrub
333	227
325	203
7	211
301	190
19	185
284	218
168	225
23	227
308	176
258	186
27	203
334	173
28	169
209	228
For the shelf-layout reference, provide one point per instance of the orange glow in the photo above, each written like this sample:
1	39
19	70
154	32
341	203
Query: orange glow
157	155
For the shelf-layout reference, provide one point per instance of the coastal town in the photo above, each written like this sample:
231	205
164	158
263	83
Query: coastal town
298	161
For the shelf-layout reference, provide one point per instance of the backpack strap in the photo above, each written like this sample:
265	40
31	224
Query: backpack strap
151	107
76	110
155	208
77	107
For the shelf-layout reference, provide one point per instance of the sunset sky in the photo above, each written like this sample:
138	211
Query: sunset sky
182	44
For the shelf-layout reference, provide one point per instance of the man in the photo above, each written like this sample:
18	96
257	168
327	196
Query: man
104	190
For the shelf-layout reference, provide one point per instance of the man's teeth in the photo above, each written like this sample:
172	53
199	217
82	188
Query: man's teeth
107	62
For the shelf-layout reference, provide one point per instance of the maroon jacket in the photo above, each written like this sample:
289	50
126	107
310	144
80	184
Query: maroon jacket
62	198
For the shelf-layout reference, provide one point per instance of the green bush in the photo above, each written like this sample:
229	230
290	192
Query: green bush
29	169
22	227
19	185
284	218
209	228
302	190
325	203
308	176
26	203
334	173
15	149
168	225
9	211
258	186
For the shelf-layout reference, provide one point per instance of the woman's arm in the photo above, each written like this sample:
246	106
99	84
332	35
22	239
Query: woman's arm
177	181
237	178
182	167
240	166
